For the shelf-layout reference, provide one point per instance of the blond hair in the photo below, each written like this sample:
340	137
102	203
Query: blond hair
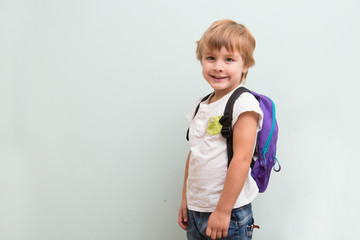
231	35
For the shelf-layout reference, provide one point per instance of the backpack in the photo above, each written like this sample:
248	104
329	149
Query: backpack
266	137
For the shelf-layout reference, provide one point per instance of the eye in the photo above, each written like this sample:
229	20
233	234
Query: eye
229	60
210	58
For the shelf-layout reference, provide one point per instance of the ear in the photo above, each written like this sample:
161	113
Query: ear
245	69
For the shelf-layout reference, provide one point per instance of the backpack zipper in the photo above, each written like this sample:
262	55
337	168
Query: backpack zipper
271	132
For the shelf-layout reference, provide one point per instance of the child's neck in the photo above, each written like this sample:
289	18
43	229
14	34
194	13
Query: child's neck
218	94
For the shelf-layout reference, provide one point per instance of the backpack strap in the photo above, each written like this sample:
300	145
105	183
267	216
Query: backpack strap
196	110
226	121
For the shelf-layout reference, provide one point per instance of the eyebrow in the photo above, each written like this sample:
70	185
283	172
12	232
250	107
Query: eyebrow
227	55
208	53
231	55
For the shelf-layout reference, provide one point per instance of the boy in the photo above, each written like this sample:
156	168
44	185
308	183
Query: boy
216	199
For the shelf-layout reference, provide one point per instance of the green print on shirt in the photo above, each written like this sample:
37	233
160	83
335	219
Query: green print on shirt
214	127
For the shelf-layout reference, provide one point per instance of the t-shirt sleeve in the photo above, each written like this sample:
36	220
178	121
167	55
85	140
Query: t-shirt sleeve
247	103
190	114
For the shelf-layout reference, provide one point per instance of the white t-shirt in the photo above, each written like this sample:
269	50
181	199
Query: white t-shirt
208	160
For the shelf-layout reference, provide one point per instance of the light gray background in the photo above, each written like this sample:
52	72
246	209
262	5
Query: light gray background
92	102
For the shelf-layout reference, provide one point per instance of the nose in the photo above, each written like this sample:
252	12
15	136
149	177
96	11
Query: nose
218	66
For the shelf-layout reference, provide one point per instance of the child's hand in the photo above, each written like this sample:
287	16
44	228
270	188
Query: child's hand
218	225
183	217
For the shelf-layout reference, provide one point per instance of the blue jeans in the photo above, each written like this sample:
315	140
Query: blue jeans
241	224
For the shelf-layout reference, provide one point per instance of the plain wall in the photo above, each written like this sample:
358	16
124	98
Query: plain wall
93	96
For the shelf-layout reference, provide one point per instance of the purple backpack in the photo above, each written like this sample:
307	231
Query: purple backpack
266	138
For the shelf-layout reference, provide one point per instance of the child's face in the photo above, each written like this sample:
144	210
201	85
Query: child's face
222	70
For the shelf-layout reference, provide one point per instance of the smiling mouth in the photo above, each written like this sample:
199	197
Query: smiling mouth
218	77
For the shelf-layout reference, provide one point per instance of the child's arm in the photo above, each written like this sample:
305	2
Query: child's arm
182	217
244	135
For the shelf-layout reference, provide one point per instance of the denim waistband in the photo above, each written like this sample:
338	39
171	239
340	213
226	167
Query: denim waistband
242	207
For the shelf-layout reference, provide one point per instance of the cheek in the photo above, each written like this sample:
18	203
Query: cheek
204	72
205	75
205	68
235	73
